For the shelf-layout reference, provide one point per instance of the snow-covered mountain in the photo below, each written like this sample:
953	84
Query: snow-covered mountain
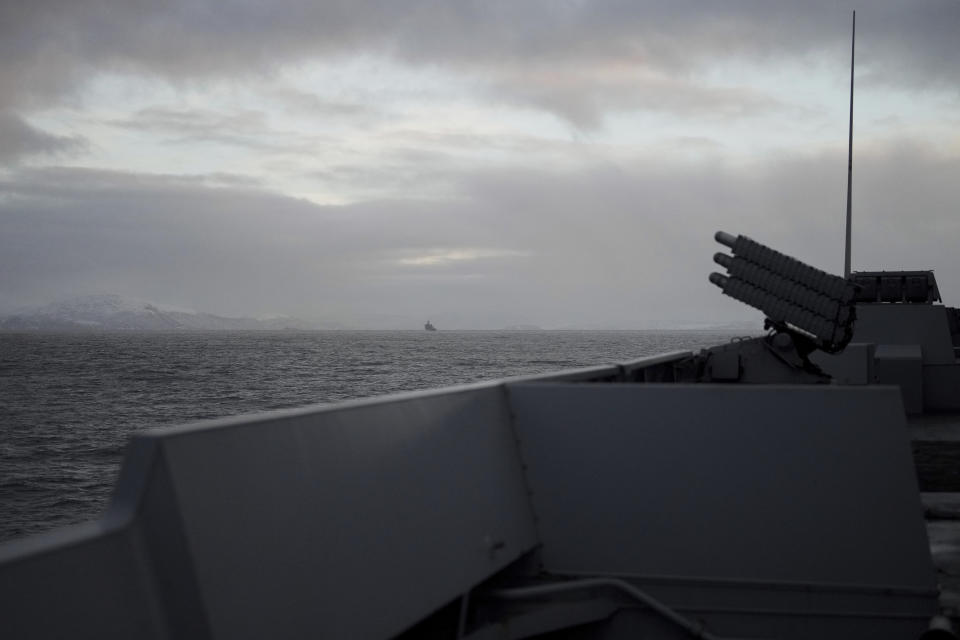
113	312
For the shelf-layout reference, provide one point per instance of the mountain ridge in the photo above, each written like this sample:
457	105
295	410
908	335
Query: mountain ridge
116	313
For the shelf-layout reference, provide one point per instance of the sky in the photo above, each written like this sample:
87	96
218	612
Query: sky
481	164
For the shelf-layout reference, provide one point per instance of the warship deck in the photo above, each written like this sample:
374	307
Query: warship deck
936	450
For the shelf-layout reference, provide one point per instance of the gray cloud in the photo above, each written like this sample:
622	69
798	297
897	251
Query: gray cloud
18	140
244	128
625	245
196	123
48	50
583	101
320	107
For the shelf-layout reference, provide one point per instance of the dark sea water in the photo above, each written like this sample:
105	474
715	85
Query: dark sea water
69	402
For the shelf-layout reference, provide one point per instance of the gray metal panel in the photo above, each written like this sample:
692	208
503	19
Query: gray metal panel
98	580
349	522
853	365
922	324
642	363
633	623
88	581
159	528
899	352
940	387
902	365
661	368
128	575
583	374
808	483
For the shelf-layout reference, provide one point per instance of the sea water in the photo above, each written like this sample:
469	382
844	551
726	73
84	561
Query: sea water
70	401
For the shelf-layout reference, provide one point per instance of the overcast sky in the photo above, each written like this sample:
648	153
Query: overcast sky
478	163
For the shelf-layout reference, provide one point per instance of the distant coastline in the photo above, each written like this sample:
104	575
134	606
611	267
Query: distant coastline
116	313
108	313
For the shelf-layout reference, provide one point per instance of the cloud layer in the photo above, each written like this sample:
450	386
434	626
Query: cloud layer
608	246
52	48
18	139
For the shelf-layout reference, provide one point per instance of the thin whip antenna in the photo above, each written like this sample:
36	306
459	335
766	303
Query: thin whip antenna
846	255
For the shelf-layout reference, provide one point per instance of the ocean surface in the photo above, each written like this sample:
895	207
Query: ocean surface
70	401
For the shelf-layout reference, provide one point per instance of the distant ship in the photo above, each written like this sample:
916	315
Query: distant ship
429	327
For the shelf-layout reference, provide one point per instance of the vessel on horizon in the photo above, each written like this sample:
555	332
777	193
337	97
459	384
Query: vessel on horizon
429	326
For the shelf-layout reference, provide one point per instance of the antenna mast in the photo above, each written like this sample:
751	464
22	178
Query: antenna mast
846	255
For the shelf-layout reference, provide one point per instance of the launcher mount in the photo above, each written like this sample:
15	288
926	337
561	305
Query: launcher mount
806	309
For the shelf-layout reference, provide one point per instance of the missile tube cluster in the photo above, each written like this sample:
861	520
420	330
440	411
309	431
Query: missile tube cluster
787	290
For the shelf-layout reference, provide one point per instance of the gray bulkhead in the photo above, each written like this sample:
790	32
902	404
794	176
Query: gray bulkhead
909	344
751	510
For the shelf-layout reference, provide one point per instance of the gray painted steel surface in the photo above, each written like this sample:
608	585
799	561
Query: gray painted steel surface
746	485
294	523
853	365
941	387
89	581
922	324
320	507
902	365
929	376
730	503
811	483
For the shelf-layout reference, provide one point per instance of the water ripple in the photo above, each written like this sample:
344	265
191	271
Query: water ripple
69	402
